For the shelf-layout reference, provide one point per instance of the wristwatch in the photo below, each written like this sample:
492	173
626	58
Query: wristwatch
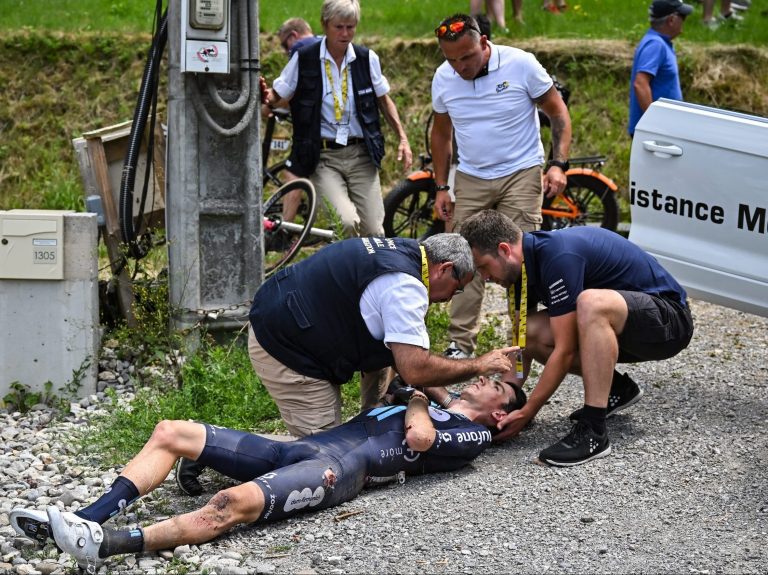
443	188
565	166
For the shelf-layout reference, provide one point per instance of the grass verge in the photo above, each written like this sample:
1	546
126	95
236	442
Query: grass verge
70	84
584	19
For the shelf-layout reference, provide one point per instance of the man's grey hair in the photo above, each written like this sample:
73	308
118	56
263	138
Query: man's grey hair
657	23
341	10
454	248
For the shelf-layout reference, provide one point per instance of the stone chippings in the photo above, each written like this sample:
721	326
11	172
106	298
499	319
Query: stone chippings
685	490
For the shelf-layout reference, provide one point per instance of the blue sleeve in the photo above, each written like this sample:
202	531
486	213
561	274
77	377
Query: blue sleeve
457	441
465	442
562	280
650	57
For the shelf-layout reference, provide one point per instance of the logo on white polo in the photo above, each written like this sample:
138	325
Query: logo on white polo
300	499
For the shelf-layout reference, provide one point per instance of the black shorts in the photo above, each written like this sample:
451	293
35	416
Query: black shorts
294	476
658	327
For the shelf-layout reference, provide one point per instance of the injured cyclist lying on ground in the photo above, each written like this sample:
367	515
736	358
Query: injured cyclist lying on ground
280	479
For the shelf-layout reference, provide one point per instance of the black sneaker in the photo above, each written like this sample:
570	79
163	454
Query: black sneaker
624	392
187	472
582	444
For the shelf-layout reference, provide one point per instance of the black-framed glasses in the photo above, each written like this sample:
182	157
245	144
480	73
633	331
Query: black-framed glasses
284	42
453	28
455	275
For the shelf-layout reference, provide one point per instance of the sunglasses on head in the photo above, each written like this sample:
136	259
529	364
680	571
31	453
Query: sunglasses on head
453	29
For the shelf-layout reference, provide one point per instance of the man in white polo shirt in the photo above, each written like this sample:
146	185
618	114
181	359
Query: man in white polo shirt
488	95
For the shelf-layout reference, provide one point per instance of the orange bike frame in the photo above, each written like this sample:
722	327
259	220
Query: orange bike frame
564	207
420	175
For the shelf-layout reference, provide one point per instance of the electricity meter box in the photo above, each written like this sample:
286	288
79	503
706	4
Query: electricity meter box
32	244
205	36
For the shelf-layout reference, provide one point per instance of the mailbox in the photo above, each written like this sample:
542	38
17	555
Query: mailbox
32	244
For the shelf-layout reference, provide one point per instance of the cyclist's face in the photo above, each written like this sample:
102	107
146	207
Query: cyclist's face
488	394
339	33
500	267
465	55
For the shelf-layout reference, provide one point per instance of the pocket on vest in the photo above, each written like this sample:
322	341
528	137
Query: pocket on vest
377	149
304	157
302	112
298	310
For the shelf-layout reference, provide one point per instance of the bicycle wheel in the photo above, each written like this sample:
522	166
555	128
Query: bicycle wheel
595	201
283	237
409	210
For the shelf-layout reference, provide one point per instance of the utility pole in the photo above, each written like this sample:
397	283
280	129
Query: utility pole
214	189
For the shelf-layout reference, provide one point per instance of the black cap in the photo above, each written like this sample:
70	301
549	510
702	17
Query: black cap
661	8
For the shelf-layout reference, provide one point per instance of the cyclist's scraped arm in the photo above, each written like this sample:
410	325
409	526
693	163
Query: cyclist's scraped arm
419	431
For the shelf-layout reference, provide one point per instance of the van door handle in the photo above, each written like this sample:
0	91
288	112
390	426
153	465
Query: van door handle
662	149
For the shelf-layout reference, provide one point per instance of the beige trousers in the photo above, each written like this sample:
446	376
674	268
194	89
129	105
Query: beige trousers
518	196
348	179
307	405
373	386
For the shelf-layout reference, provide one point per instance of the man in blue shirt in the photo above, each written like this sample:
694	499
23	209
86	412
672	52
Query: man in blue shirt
295	33
607	302
654	68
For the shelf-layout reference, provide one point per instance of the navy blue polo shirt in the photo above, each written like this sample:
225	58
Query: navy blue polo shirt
563	263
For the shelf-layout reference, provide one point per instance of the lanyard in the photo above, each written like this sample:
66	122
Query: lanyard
338	105
519	327
424	269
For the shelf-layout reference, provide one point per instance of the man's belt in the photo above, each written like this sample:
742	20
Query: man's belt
332	145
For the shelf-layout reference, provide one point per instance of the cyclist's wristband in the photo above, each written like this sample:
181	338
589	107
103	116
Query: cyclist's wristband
443	188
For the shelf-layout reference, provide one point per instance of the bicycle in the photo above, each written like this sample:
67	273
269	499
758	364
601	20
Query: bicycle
589	197
289	213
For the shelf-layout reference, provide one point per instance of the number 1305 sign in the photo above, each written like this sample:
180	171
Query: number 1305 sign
44	251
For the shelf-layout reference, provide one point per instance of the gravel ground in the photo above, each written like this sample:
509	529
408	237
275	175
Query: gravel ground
684	491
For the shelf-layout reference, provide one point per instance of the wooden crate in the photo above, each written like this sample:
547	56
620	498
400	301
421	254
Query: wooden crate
101	155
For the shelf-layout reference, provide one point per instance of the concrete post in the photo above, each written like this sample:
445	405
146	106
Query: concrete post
49	329
213	198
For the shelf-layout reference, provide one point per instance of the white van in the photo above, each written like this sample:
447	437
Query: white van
699	199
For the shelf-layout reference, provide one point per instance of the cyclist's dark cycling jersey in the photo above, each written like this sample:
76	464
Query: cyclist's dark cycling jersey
329	468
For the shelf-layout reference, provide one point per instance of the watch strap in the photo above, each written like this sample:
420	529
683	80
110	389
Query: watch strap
557	163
